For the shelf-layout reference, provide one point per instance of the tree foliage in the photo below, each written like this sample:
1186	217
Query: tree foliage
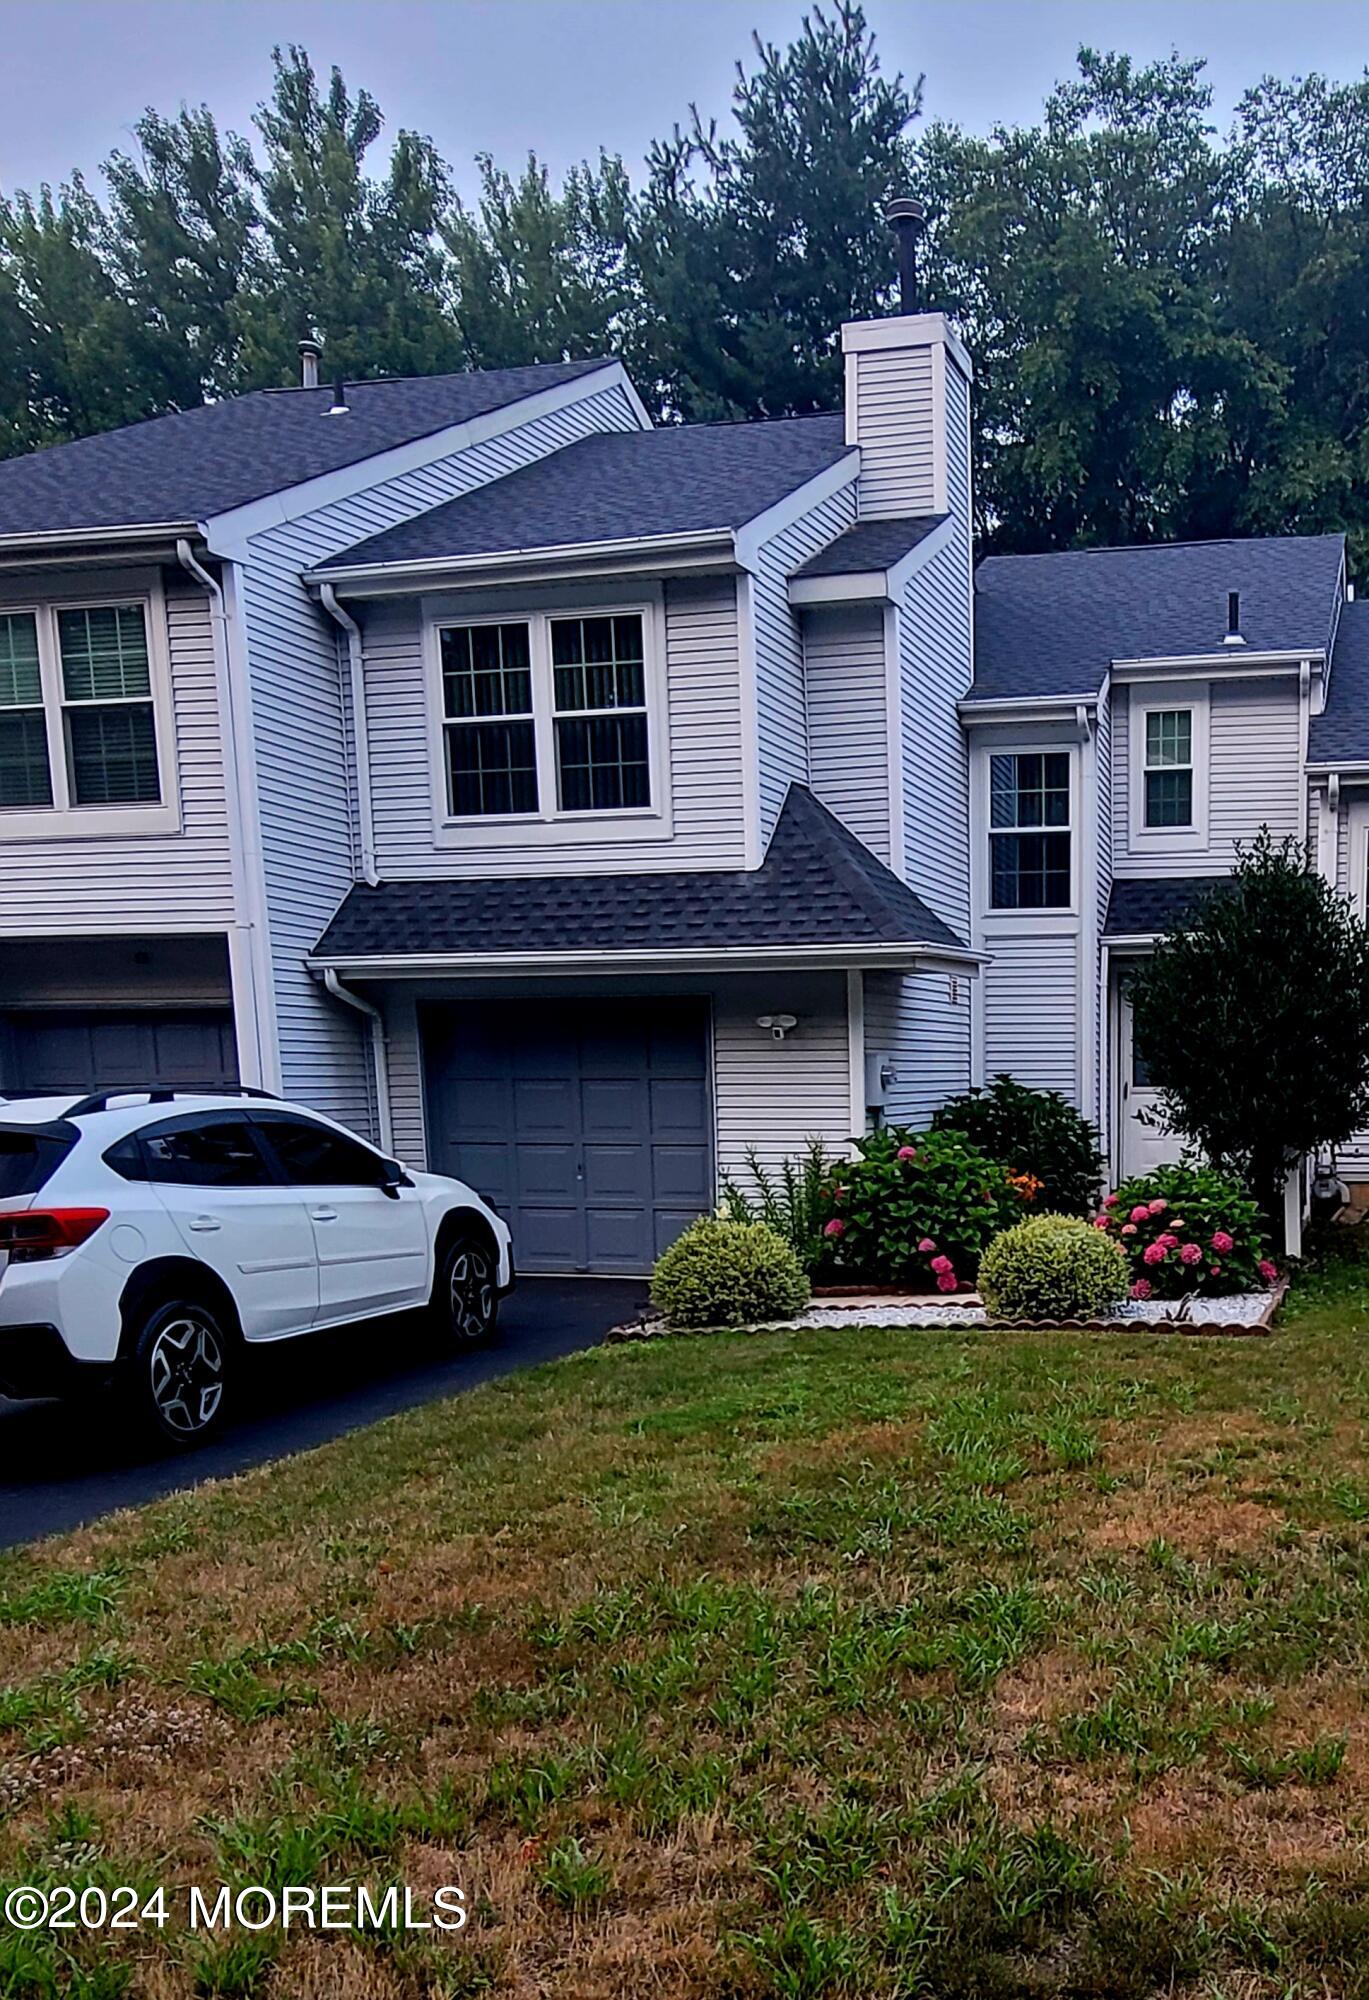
1170	325
1253	1014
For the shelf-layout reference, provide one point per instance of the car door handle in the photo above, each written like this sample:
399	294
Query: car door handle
204	1223
324	1214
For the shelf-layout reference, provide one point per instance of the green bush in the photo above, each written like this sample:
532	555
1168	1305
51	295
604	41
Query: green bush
1188	1230
1052	1267
725	1273
916	1209
1035	1133
791	1199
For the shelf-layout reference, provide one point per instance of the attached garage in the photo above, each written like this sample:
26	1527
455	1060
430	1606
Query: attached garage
585	1122
92	1049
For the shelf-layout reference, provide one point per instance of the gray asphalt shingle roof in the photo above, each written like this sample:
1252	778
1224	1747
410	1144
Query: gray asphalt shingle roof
871	545
618	485
1342	728
196	463
1053	624
816	885
1145	905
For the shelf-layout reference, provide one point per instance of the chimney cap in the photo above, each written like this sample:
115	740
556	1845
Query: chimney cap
311	344
905	208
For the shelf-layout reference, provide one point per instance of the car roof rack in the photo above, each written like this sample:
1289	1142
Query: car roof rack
164	1093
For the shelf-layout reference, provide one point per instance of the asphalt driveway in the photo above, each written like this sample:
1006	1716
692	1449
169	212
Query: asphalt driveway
62	1466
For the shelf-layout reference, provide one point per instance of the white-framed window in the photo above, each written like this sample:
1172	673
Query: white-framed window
85	724
551	716
1169	738
1030	830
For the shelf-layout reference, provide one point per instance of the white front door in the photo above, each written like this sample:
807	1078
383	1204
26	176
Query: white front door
1146	1142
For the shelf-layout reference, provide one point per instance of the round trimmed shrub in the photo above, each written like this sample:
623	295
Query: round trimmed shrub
1052	1267
724	1273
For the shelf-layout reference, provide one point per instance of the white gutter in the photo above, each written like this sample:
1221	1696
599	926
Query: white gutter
378	1055
360	733
710	540
1009	708
160	531
419	965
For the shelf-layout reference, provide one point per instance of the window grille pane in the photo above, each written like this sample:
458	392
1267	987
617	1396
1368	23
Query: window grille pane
492	768
20	682
1169	737
599	663
1169	798
601	763
25	779
104	653
1030	871
486	670
112	756
1029	790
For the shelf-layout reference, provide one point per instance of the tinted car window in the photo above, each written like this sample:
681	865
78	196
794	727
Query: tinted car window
28	1159
312	1156
219	1153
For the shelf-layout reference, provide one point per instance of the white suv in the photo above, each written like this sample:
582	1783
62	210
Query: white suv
145	1235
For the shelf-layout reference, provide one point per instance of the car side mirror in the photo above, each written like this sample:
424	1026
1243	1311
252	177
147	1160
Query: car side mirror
394	1179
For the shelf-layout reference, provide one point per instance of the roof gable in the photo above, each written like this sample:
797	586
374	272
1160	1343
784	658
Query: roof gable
1341	731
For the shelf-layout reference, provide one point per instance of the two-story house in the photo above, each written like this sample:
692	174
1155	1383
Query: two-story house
574	804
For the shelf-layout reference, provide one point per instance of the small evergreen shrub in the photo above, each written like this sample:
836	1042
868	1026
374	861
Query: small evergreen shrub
791	1199
726	1273
1188	1230
1052	1267
1038	1135
915	1208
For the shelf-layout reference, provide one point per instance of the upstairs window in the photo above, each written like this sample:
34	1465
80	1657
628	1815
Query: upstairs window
1029	830
599	696
1168	769
25	774
488	721
108	719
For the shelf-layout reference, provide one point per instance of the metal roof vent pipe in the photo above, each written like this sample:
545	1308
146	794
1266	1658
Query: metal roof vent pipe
1233	619
310	353
906	217
339	405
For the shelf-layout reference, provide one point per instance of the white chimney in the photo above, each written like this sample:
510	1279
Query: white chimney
908	408
309	352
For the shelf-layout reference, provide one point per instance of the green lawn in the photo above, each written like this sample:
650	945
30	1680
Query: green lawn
846	1663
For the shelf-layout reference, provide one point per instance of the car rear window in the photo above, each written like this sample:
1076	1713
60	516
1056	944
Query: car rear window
29	1156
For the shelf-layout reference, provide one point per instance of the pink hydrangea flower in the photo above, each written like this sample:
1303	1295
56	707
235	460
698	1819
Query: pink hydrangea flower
947	1281
836	1227
1101	1221
1190	1254
1215	1270
1269	1272
942	1265
1159	1205
1111	1200
1141	1289
907	1152
1169	1240
1154	1253
1140	1213
1221	1242
1128	1229
926	1246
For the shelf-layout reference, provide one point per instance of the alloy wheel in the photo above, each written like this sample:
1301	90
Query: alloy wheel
186	1373
470	1292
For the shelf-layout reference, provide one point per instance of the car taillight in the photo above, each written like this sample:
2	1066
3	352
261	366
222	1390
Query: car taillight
48	1232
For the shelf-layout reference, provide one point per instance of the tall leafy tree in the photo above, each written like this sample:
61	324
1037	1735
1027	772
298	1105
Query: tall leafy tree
753	245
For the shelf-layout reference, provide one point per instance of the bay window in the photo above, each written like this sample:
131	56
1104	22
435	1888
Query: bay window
1029	830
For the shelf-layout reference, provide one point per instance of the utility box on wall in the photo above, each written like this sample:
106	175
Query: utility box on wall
880	1077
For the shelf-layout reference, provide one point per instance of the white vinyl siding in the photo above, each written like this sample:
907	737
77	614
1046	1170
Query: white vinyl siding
703	704
781	718
894	418
1254	774
178	880
408	1127
847	699
303	748
775	1095
1031	1008
922	1021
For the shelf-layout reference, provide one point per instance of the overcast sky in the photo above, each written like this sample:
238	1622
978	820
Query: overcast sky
564	77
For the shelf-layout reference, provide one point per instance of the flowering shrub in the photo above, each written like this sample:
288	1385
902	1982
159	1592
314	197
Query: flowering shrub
916	1209
1052	1267
724	1273
791	1199
1038	1135
1187	1229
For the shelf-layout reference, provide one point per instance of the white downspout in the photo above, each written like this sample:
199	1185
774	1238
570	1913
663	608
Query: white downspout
249	912
360	737
378	1052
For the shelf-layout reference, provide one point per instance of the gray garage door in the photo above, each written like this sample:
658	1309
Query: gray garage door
57	1050
586	1123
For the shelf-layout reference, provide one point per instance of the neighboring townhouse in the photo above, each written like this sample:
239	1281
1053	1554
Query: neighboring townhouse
576	805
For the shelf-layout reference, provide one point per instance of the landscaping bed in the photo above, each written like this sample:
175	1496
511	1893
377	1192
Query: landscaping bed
986	1664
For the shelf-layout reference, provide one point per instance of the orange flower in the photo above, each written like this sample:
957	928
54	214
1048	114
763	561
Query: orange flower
1027	1186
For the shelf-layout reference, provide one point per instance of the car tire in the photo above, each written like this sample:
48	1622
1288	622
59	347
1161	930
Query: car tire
179	1370
465	1301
